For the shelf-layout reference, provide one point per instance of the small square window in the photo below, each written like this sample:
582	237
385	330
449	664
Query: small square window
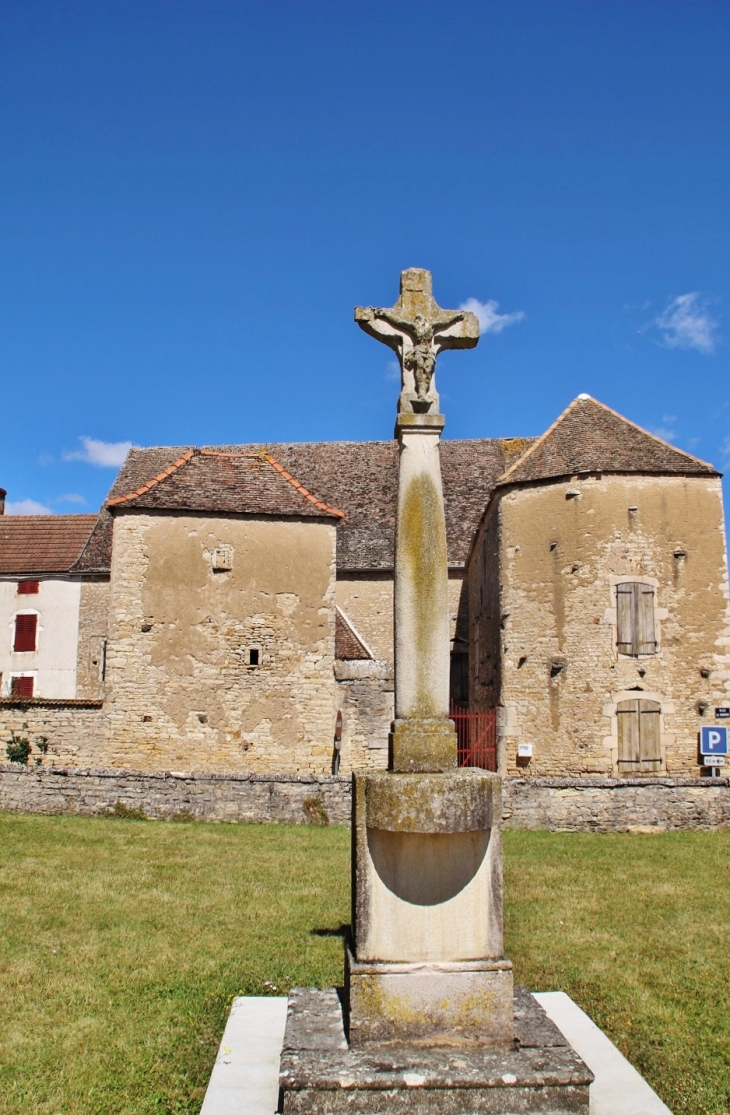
254	656
28	588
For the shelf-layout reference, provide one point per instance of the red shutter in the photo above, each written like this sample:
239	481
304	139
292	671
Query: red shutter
25	632
28	588
22	687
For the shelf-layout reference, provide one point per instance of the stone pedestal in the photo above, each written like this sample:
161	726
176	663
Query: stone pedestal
323	1074
426	961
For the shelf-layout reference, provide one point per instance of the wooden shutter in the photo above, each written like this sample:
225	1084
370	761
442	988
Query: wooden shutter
635	630
646	635
22	687
26	627
625	618
650	748
629	739
639	741
28	588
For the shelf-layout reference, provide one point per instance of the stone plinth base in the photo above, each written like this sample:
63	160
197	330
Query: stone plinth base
322	1075
469	1001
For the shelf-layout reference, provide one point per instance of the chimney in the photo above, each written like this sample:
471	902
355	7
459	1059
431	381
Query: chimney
3	494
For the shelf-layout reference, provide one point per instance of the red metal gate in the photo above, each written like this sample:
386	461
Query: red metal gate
476	733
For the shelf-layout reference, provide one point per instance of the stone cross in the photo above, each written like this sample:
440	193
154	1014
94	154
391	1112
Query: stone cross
418	330
423	737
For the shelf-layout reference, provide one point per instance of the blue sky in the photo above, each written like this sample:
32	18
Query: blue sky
193	197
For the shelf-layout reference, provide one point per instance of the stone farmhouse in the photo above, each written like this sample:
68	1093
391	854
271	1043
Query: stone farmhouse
229	605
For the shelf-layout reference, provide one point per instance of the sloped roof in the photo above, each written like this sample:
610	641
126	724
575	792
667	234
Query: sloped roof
358	478
349	646
38	544
590	437
225	482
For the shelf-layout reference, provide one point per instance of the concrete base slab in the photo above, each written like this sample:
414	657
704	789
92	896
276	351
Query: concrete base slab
245	1077
618	1088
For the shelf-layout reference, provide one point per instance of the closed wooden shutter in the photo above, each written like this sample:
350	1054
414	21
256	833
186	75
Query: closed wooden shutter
25	632
635	630
22	687
629	744
639	739
651	752
28	588
625	616
646	636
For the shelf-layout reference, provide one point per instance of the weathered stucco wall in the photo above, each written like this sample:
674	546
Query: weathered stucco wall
542	593
571	805
93	634
182	688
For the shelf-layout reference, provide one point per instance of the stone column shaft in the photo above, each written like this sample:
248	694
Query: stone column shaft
423	738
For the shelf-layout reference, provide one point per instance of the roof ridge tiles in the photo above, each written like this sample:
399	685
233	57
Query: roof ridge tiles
300	487
153	482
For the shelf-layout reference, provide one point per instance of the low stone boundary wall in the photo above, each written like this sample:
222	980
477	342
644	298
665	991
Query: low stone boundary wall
563	804
616	804
167	795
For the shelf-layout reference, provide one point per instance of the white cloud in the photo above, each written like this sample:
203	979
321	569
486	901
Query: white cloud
103	454
666	431
490	321
71	497
688	323
392	370
725	450
27	507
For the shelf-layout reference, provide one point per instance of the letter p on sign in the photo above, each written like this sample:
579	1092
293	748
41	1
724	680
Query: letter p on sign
713	741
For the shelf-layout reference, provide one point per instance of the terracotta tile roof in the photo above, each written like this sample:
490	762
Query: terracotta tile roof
38	544
590	437
228	482
348	645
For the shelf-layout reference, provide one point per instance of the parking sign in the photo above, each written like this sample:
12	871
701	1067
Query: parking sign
713	740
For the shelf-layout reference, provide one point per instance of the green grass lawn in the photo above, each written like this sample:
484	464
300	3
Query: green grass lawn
123	942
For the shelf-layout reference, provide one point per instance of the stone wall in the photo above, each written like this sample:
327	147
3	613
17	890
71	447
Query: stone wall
70	730
543	579
93	634
570	805
365	697
164	795
184	688
616	805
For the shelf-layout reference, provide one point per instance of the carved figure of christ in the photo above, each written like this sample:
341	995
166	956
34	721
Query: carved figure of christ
418	329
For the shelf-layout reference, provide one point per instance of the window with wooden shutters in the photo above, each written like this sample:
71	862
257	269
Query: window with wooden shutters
26	628
28	588
635	629
22	687
639	746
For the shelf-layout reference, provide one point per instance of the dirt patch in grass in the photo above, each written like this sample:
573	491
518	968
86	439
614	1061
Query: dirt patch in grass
123	943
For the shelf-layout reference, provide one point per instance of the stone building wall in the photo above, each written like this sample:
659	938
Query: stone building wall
542	590
365	695
226	670
93	635
568	805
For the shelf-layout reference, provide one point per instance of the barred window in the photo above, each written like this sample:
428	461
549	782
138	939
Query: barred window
635	629
639	747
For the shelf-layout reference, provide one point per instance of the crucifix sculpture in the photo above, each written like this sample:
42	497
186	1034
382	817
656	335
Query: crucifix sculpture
417	329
